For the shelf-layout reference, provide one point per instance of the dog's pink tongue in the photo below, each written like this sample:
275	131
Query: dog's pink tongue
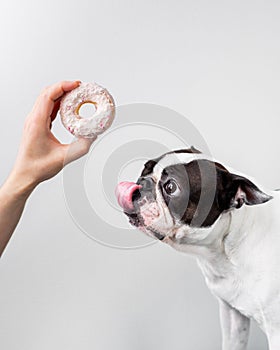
124	192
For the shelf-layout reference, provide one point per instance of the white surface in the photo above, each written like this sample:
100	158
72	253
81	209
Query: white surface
215	62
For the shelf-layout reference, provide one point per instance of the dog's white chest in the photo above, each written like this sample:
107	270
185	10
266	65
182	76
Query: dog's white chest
236	291
250	281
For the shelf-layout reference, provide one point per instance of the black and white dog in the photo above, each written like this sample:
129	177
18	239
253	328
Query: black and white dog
231	224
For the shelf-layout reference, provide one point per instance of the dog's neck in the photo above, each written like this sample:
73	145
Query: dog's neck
219	249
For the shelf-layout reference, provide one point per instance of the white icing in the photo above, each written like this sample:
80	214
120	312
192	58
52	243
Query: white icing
101	119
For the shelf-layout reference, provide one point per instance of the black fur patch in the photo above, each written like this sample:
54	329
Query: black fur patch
149	165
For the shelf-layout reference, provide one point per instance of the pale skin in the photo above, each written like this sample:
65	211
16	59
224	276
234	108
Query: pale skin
40	157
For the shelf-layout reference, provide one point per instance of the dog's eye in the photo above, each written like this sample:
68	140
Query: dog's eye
171	187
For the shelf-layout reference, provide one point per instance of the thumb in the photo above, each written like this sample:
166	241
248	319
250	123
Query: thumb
77	149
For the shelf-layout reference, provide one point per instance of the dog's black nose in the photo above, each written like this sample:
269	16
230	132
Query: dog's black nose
146	183
147	189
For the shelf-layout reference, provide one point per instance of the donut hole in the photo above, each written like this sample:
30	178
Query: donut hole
87	110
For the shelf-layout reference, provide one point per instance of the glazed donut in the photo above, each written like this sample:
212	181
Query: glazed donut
101	119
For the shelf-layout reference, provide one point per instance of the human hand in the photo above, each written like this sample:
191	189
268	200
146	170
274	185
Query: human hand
41	155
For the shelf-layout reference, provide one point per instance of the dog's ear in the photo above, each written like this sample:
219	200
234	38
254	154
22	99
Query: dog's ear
240	190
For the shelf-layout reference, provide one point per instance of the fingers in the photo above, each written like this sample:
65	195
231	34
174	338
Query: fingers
54	112
77	149
48	99
57	90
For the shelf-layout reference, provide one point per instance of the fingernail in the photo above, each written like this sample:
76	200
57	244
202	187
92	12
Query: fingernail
70	85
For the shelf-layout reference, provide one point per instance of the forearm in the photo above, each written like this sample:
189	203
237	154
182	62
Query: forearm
13	196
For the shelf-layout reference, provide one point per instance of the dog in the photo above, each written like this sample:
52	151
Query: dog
231	224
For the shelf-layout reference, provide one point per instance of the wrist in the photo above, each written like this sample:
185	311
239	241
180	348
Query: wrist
20	184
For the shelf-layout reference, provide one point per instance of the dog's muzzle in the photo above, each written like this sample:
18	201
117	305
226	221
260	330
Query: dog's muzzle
131	195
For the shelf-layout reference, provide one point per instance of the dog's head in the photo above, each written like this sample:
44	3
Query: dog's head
184	191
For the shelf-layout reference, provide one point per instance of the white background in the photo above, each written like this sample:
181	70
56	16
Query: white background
217	63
